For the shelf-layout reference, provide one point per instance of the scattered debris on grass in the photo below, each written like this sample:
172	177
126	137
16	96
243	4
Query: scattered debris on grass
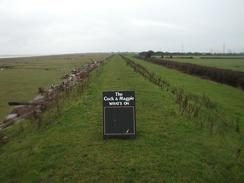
45	98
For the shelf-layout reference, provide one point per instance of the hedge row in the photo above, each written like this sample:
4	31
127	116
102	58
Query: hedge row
221	57
194	106
229	77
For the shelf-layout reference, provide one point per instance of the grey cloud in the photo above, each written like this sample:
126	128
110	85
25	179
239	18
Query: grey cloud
47	27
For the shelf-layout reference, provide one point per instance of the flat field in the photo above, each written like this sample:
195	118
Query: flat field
170	146
25	75
226	63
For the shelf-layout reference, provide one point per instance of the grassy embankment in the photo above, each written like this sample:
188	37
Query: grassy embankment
228	98
20	83
169	147
232	64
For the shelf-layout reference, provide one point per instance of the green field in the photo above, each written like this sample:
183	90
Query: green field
20	83
170	147
232	64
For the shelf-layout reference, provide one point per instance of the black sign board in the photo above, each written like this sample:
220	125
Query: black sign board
119	114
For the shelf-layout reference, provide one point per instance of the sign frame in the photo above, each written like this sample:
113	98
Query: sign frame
128	105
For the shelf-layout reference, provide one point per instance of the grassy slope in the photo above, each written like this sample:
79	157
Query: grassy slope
21	82
230	99
232	64
168	148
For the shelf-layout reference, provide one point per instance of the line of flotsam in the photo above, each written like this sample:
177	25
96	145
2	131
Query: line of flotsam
45	97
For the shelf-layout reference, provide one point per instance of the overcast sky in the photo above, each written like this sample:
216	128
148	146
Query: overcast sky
56	26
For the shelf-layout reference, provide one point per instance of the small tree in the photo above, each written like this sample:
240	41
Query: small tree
149	54
146	54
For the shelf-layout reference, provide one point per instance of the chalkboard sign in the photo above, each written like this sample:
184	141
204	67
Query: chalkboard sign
119	114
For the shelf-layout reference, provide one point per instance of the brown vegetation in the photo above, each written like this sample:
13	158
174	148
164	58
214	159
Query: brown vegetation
50	97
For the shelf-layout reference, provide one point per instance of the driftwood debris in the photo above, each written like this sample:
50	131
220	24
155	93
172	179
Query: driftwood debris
45	97
19	103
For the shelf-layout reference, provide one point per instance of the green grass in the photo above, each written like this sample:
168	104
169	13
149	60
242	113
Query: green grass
169	147
230	99
21	82
231	64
